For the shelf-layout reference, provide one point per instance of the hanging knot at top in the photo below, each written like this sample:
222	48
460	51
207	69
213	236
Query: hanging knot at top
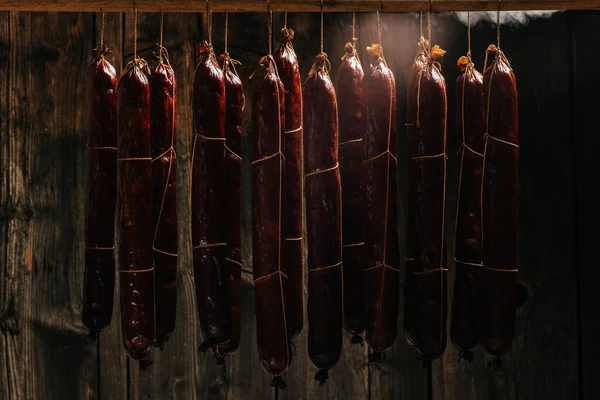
375	51
349	51
436	53
463	63
227	61
205	49
101	50
287	34
492	49
321	64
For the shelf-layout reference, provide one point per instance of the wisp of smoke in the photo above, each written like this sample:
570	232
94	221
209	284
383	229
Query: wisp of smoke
514	18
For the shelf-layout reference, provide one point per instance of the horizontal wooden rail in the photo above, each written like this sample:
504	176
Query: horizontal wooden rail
297	5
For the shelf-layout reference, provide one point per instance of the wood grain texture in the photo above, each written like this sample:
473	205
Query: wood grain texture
300	5
583	37
43	269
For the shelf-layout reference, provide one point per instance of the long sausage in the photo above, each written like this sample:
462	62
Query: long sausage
268	125
349	92
164	177
135	210
99	275
234	110
209	190
470	126
412	82
429	167
500	199
323	219
293	249
380	225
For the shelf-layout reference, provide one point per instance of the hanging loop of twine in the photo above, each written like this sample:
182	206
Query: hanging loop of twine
102	49
321	26
270	26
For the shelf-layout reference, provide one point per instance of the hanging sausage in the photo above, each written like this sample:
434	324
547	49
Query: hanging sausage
323	217
349	92
429	169
234	110
412	132
293	249
470	127
499	206
208	191
99	275
270	280
135	208
164	176
381	227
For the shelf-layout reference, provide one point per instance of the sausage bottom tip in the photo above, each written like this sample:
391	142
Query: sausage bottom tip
278	382
357	339
321	376
376	357
466	355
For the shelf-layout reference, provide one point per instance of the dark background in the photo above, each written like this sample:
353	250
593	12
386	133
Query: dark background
43	62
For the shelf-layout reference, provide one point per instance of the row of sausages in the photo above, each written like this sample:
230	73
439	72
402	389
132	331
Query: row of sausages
334	141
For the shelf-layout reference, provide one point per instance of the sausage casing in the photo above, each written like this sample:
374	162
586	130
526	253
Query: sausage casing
268	125
349	93
323	218
293	249
500	200
99	275
234	110
163	127
429	167
135	210
470	127
208	191
381	224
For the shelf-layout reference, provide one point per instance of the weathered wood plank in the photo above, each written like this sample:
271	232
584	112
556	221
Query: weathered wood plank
301	5
112	360
583	35
43	268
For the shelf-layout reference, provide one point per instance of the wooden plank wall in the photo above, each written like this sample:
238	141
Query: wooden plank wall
43	62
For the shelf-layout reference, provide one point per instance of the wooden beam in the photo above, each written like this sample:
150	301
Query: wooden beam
297	5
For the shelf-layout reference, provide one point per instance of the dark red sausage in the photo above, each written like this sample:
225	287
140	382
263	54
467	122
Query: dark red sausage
99	276
268	126
293	249
349	92
135	210
323	219
429	169
209	190
164	178
412	82
380	224
234	111
470	127
500	200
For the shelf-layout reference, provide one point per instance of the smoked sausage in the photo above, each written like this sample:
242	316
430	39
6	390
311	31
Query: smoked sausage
135	210
349	92
164	178
209	190
234	110
429	169
293	249
500	200
323	219
412	83
99	275
380	224
470	127
268	127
